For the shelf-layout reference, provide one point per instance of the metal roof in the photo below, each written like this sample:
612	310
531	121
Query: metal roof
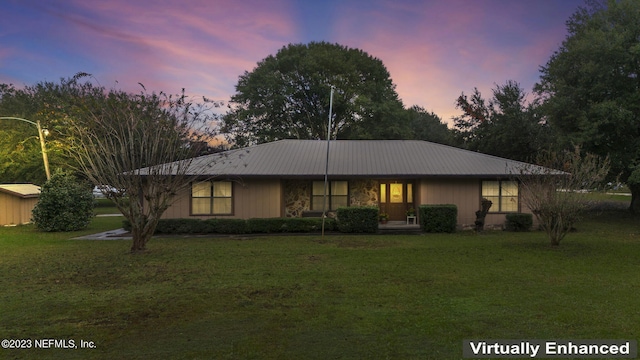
21	190
355	158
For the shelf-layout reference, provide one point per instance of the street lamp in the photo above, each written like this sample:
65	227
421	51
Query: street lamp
41	134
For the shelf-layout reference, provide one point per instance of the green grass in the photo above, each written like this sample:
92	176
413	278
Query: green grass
105	206
610	197
301	297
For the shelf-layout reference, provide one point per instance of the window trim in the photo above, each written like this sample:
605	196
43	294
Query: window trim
211	198
500	196
330	196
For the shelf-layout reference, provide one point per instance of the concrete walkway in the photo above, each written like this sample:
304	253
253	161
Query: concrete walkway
118	234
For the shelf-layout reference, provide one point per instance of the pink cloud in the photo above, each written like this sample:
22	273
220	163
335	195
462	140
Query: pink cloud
200	44
417	48
5	53
434	51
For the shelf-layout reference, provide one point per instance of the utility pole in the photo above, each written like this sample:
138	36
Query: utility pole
41	134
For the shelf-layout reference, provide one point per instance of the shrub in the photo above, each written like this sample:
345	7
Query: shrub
239	226
126	225
438	218
519	222
358	219
265	225
65	204
183	226
228	226
289	225
176	226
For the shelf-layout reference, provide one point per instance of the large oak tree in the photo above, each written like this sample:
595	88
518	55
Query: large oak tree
591	85
288	96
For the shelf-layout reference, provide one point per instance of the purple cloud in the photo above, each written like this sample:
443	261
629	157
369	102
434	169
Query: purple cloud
434	50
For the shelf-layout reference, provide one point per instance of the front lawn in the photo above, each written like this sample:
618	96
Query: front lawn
301	297
105	206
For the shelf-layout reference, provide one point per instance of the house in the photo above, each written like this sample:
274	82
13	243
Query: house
16	203
286	179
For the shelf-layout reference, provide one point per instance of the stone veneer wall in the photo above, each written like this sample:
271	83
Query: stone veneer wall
297	195
363	192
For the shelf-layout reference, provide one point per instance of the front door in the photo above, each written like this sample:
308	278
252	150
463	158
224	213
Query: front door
396	197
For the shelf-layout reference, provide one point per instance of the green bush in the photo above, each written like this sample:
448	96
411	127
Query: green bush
310	224
519	222
239	226
177	226
183	226
289	225
265	225
126	225
438	218
65	204
358	219
228	226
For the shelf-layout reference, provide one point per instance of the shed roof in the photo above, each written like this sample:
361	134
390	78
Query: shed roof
21	190
355	158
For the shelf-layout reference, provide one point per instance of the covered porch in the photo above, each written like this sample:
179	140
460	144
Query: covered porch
394	197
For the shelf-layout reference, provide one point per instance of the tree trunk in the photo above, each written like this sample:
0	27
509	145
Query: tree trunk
482	214
555	235
141	235
635	200
139	243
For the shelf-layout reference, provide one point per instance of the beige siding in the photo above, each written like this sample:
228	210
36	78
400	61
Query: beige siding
15	210
180	206
264	199
464	193
258	199
525	209
251	199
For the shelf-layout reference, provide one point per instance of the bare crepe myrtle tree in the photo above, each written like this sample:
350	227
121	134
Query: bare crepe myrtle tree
139	149
554	191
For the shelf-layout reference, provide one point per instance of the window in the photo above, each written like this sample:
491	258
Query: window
503	195
337	195
395	193
211	198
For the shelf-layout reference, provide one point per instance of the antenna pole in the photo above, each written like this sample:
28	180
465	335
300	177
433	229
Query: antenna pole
326	169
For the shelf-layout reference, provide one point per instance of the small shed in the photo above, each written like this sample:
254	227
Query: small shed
16	203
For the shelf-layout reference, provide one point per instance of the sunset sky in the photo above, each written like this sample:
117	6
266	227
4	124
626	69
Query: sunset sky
433	49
